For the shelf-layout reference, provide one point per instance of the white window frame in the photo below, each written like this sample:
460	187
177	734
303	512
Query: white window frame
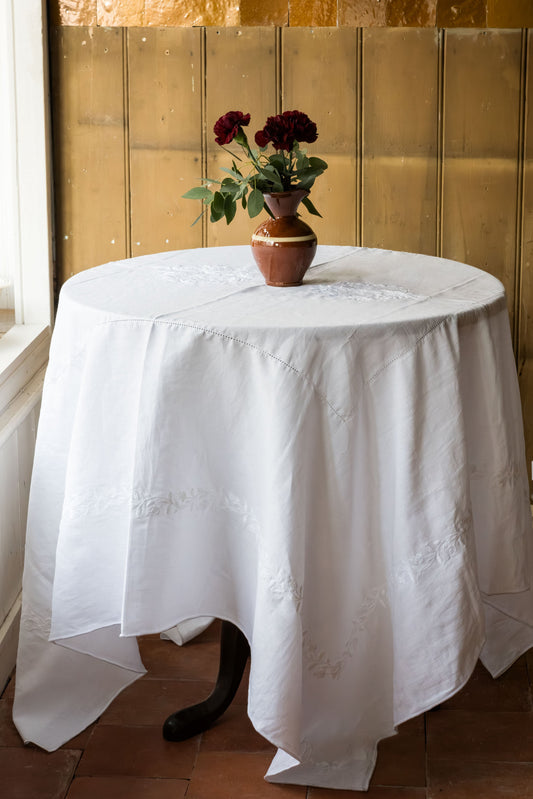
25	190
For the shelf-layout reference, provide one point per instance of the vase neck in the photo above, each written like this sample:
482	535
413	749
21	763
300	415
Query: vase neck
285	203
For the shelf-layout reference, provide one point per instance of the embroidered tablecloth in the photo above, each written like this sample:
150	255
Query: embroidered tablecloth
337	468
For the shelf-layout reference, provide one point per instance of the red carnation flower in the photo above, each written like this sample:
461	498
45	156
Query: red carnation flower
283	130
227	127
261	138
304	128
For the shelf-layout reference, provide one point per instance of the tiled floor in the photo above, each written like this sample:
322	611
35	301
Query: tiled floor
478	745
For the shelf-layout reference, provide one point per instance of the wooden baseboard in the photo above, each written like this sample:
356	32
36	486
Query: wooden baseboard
9	636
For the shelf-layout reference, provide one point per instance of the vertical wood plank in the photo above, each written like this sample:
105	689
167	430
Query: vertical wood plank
320	77
480	151
400	138
88	137
165	136
241	76
525	341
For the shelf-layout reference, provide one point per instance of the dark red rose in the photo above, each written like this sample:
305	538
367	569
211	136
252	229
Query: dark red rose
284	129
227	127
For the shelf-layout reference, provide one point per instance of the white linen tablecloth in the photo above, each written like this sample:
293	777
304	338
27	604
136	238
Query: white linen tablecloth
337	468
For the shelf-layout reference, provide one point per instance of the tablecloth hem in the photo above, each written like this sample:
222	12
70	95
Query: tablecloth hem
90	718
112	662
354	775
447	692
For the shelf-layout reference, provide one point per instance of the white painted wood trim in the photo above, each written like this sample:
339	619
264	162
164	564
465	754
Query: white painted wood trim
23	352
22	406
33	161
9	634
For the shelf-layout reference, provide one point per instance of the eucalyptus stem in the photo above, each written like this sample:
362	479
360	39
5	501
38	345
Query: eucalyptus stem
286	172
242	139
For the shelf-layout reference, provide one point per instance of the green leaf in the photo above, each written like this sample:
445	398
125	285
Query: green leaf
217	207
306	177
317	163
233	173
309	172
198	193
256	202
271	173
229	186
198	217
278	162
230	209
310	207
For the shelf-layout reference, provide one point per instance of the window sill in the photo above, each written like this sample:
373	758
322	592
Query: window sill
23	351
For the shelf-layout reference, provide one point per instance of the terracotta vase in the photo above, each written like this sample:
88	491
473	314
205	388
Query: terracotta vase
285	246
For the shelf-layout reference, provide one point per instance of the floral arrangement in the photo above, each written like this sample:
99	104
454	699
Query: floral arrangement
288	168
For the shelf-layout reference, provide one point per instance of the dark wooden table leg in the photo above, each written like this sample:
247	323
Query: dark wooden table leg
234	652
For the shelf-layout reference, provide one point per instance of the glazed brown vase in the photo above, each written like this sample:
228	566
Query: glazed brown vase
285	246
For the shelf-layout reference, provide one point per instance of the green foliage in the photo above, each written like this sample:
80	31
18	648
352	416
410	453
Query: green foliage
256	175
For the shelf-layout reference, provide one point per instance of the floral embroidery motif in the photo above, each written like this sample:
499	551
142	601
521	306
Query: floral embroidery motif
94	501
318	662
438	552
99	501
358	291
195	499
510	475
286	585
207	274
36	622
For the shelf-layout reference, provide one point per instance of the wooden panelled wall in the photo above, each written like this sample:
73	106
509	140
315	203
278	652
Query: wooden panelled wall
428	134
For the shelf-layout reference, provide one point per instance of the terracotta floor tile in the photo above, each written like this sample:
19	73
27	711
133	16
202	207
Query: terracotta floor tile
30	773
225	775
234	732
469	735
9	735
193	661
454	780
529	663
81	740
211	634
241	697
9	689
402	758
126	788
149	702
136	752
372	793
8	732
511	691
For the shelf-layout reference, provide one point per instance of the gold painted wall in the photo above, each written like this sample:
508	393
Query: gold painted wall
316	13
428	134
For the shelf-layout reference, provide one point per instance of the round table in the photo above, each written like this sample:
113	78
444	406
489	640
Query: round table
337	468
